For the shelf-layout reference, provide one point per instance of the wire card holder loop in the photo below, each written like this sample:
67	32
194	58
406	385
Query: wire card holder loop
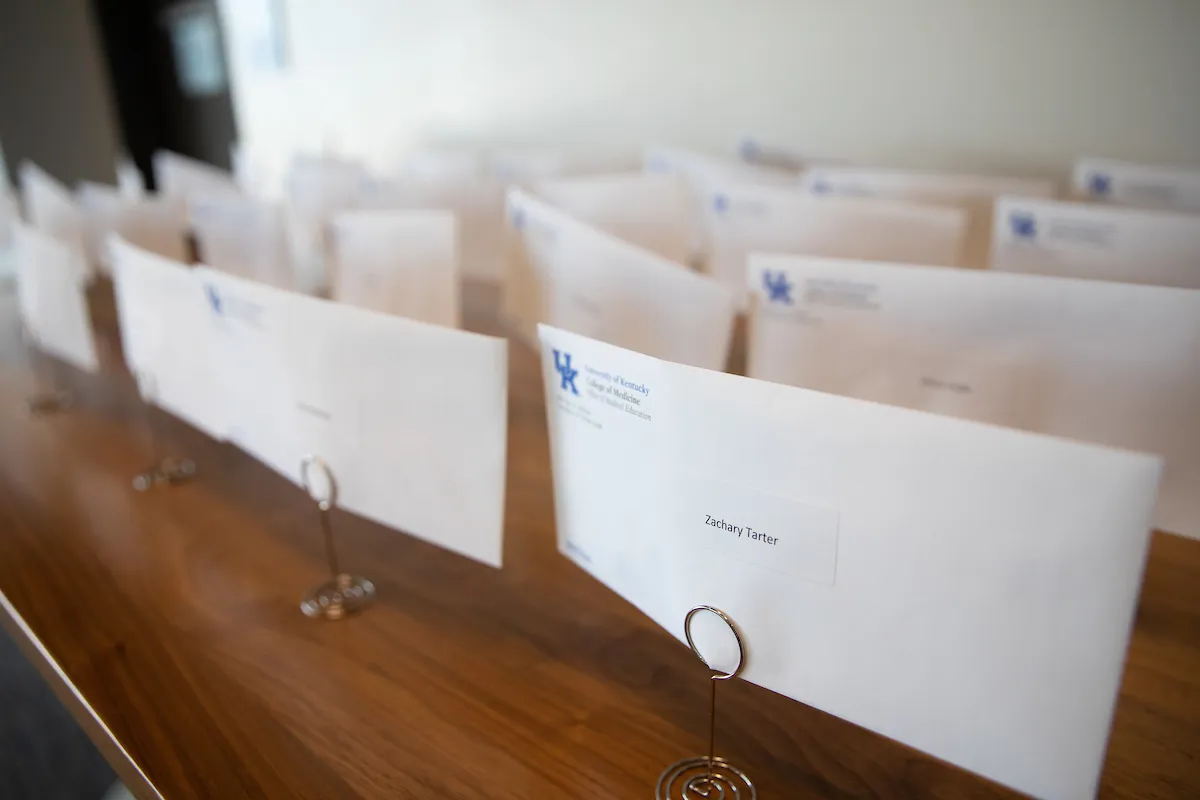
711	777
343	593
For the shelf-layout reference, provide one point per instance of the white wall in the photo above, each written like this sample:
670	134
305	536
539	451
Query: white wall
1020	86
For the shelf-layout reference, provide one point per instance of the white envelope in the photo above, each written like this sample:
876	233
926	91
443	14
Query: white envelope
569	274
9	216
251	173
50	207
975	194
317	189
242	236
129	180
179	177
651	211
703	174
753	150
51	291
412	419
154	224
528	165
398	262
476	202
250	380
767	153
151	223
1085	240
443	163
964	589
1107	363
99	208
1122	183
166	334
744	219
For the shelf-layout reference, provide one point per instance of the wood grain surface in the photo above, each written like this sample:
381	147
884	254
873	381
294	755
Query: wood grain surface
174	613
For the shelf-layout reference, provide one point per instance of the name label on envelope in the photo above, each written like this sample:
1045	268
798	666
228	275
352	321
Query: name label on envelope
765	530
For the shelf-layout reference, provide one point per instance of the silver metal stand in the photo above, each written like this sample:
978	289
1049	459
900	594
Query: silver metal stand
163	470
343	593
707	777
43	402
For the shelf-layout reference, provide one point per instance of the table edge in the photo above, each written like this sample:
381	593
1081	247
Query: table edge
106	742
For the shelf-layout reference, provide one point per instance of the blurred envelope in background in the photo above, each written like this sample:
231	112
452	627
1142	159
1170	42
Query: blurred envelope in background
525	166
9	217
703	174
317	189
650	211
1106	363
242	236
476	202
412	419
166	334
130	183
51	296
397	262
1085	240
754	150
964	589
767	153
444	162
149	223
569	274
100	209
50	208
1143	185
975	194
771	219
178	178
253	173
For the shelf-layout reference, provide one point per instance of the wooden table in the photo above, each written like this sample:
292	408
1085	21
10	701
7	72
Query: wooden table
169	622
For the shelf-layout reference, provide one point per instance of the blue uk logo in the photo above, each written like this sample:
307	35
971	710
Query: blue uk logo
779	288
214	299
562	365
821	187
518	219
720	203
1100	185
1024	226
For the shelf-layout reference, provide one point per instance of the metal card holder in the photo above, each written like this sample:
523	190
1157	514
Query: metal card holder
163	470
343	593
708	777
43	402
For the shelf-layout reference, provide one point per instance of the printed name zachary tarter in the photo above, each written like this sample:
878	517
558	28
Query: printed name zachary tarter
750	533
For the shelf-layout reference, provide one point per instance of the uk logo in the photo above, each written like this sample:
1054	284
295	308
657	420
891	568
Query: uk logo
720	203
562	365
518	219
1099	184
821	187
214	300
1024	226
779	288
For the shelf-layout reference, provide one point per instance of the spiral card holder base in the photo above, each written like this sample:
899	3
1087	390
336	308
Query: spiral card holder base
342	594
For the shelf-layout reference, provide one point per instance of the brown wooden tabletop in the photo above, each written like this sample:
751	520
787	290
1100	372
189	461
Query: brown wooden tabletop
174	616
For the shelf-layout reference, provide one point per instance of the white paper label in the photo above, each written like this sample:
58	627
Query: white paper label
776	533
